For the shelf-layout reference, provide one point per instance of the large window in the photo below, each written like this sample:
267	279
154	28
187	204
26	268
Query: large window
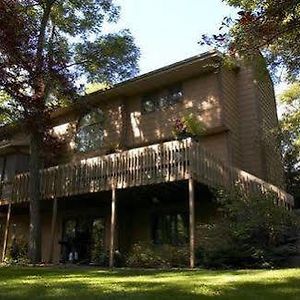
90	131
170	228
161	100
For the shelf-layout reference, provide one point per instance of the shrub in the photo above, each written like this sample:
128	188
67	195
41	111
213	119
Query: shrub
147	255
18	252
175	256
143	255
188	126
253	232
102	259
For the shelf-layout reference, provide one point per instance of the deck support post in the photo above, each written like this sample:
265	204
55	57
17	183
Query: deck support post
53	227
5	241
192	221
112	227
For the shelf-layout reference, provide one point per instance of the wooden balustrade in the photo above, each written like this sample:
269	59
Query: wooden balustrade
159	163
208	169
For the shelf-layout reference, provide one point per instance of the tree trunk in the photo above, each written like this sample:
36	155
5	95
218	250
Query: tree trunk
35	144
34	189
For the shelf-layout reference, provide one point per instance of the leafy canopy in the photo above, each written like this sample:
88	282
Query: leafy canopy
290	130
47	46
267	26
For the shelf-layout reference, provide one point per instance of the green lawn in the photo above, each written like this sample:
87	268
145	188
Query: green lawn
92	283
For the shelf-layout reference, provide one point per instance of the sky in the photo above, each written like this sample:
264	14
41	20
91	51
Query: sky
167	31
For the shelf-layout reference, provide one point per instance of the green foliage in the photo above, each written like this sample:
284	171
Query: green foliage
269	27
146	255
7	106
253	232
17	252
66	44
188	126
290	136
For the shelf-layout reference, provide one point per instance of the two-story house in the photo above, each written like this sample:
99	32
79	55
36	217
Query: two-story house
124	178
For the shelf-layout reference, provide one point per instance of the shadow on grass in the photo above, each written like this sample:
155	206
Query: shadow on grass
48	283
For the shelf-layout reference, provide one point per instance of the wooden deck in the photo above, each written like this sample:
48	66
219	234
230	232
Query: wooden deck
159	163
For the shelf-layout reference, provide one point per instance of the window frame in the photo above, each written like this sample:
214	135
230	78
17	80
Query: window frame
167	94
79	145
172	235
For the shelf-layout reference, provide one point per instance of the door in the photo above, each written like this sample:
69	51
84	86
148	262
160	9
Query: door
83	240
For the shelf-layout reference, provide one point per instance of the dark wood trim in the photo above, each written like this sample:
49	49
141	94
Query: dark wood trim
192	221
5	241
53	227
112	228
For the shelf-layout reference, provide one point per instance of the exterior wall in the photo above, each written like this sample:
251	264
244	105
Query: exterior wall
200	97
46	237
126	126
272	161
113	129
135	218
218	144
260	154
135	210
237	109
13	164
18	229
251	152
230	105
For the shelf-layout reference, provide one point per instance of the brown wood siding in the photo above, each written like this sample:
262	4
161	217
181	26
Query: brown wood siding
272	161
251	156
200	97
113	123
113	129
231	100
228	91
217	144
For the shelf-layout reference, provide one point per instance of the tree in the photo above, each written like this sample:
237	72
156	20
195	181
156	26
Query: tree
46	46
263	26
290	130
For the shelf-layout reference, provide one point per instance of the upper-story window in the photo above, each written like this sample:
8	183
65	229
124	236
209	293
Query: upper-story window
90	131
161	100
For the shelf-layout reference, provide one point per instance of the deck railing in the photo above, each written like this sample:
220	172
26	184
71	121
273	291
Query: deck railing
159	163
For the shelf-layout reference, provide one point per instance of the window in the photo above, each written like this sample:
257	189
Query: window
175	94
161	100
170	229
90	131
149	104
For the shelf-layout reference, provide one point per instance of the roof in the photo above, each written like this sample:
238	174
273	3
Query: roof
149	81
187	68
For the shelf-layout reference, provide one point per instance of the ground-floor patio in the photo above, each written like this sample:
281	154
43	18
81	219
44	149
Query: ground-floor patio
85	229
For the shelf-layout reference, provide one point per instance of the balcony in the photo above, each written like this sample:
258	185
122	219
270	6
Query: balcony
158	163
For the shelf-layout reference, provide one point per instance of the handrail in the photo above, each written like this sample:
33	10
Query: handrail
214	172
158	163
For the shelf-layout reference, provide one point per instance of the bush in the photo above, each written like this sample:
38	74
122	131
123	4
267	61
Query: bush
102	259
188	126
252	232
18	252
147	255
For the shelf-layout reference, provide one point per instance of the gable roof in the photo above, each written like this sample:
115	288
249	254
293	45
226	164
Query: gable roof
158	78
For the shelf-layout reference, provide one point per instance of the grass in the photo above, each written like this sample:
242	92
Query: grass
92	283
